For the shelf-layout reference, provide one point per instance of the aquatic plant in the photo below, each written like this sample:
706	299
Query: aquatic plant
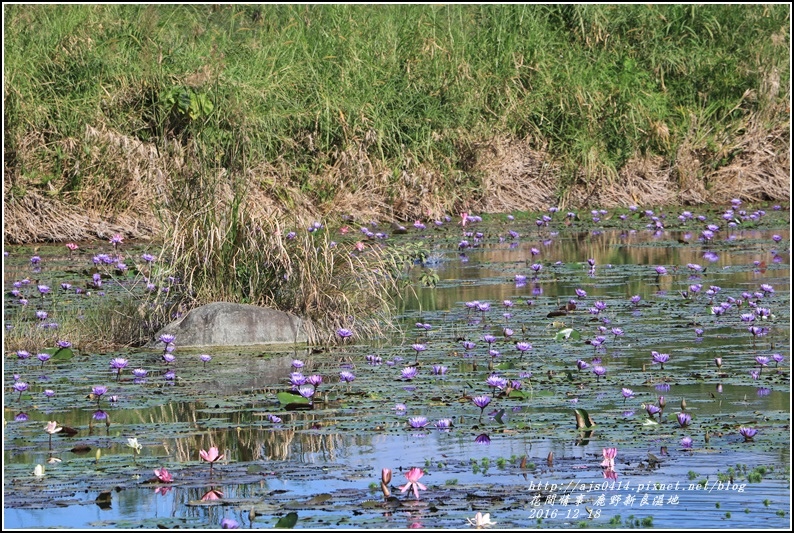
413	476
163	475
523	347
748	433
480	520
627	393
51	428
229	523
20	387
417	422
211	456
132	442
609	455
660	358
346	376
118	364
439	370
481	402
385	479
418	348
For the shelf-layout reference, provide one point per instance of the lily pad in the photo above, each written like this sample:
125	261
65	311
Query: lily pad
288	521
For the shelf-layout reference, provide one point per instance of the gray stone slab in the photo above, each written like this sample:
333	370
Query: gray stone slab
230	324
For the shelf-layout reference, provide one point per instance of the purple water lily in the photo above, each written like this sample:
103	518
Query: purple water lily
417	422
20	387
118	364
653	410
496	382
444	423
43	357
418	348
409	372
660	358
481	402
762	361
747	433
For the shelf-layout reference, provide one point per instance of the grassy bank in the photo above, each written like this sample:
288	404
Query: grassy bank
216	129
388	111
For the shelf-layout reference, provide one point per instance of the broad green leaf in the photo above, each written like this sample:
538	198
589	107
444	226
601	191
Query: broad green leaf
287	398
287	522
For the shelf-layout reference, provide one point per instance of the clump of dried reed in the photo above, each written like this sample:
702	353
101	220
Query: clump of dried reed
224	248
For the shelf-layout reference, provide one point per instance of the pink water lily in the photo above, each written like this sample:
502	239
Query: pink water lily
413	476
163	475
212	495
609	457
211	456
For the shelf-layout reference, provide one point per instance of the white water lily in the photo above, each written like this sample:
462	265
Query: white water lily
133	443
38	471
52	427
481	520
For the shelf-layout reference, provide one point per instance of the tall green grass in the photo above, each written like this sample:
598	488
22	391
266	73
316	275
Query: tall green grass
592	84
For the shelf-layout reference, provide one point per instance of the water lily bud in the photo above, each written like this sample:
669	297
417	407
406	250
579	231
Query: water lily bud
38	471
385	475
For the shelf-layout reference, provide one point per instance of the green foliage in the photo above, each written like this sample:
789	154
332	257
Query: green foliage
429	277
288	521
595	84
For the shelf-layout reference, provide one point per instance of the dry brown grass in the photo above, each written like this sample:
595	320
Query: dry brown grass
109	184
227	247
760	170
123	182
516	177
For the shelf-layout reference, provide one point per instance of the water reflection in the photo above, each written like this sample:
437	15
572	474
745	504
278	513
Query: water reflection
565	260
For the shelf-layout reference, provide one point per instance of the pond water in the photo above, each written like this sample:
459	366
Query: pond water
522	458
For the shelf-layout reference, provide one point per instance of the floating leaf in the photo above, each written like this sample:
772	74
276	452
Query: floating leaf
287	398
59	354
287	522
583	419
104	499
567	334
